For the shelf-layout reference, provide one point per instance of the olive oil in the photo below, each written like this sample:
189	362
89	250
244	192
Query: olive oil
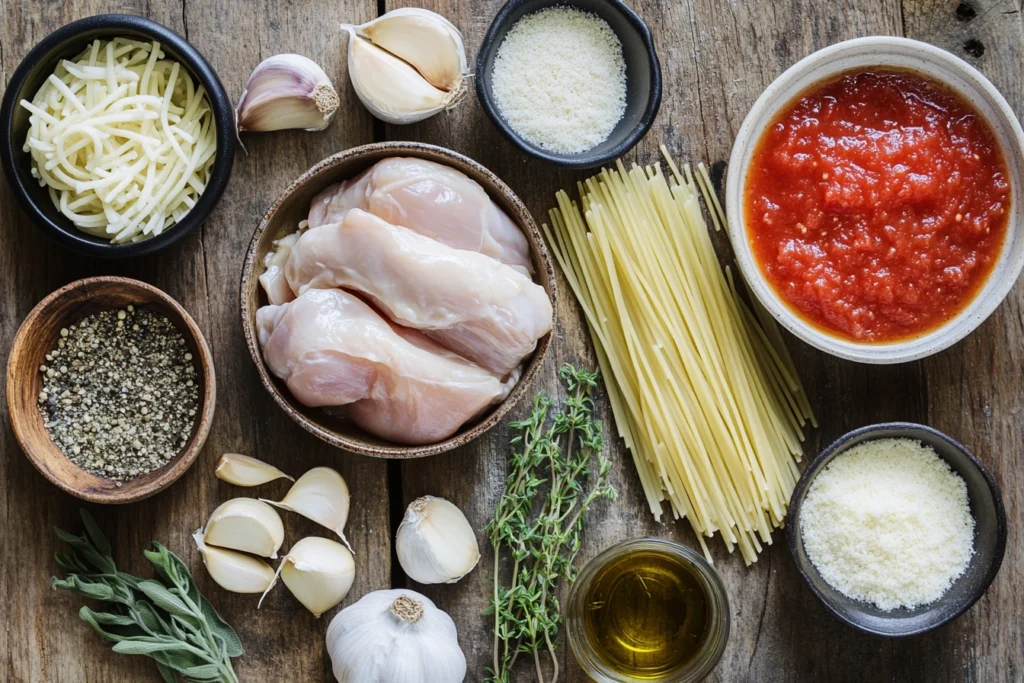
646	614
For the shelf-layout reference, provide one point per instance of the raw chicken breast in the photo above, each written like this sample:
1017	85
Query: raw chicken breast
476	306
432	199
332	349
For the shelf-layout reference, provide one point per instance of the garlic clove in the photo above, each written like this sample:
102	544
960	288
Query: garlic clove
424	39
247	525
284	92
234	571
390	88
318	572
241	470
435	542
394	636
321	495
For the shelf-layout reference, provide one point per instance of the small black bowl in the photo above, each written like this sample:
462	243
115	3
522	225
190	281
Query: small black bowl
39	63
643	78
989	537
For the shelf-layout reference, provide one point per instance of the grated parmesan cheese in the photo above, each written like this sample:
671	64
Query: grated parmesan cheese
559	79
888	522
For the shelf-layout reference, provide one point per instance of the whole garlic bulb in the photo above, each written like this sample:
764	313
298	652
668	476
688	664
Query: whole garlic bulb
395	636
435	543
407	65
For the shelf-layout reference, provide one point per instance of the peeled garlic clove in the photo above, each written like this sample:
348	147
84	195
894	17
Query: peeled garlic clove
435	543
284	92
390	88
233	571
241	470
424	39
318	572
246	524
321	495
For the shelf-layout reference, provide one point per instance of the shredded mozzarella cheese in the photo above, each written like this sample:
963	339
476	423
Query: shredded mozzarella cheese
123	139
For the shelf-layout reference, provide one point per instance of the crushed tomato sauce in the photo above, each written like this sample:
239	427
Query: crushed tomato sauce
877	204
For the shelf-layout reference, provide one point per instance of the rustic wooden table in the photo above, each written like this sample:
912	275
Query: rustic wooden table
717	56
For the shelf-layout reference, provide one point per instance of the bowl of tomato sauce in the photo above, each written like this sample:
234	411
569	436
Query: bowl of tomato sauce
873	197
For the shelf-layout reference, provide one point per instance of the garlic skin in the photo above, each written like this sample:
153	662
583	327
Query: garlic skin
395	636
284	92
241	470
435	542
234	571
321	495
424	39
246	525
318	572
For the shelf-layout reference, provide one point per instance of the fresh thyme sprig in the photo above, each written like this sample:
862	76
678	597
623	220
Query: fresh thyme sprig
544	543
168	620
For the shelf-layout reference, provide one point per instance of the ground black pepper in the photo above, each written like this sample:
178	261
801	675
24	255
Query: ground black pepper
120	392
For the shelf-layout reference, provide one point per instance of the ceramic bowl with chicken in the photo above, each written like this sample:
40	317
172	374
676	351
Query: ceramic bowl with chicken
398	300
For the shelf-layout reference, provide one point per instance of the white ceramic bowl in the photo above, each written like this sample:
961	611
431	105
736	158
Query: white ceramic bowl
940	66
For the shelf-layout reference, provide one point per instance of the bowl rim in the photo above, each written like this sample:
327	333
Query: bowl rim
884	430
389	450
747	136
582	160
220	102
131	491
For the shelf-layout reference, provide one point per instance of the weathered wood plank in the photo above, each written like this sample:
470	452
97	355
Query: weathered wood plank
974	387
44	639
718	55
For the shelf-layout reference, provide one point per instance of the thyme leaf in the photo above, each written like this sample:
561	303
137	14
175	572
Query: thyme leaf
561	455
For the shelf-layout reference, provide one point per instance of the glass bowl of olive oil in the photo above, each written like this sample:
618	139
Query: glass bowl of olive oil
648	610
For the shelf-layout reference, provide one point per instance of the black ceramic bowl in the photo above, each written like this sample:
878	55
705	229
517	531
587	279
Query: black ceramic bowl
39	63
989	537
643	78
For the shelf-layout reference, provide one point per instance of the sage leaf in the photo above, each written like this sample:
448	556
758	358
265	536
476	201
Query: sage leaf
99	541
164	599
148	646
219	627
168	620
166	672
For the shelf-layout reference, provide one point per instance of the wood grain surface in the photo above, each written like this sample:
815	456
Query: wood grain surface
717	56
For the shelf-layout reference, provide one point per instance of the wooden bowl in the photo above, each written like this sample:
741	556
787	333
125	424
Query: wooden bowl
283	218
38	335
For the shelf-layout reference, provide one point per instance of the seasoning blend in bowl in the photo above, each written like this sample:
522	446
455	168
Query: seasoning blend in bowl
119	393
648	609
111	389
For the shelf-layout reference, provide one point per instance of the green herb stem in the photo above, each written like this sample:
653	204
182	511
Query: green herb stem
167	618
544	539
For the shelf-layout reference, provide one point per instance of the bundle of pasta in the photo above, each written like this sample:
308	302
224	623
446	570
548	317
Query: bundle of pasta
122	138
703	391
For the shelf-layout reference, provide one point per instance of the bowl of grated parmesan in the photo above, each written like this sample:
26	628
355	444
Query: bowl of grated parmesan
897	529
575	83
118	137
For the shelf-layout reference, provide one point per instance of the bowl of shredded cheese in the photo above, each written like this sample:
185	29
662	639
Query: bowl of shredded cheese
118	136
897	529
575	83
